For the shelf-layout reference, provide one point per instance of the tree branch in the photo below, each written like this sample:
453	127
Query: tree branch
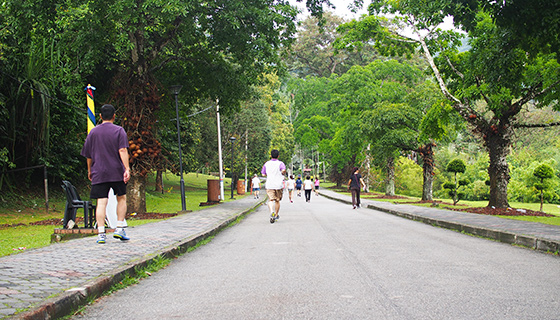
484	96
453	68
537	125
158	47
437	74
533	93
324	134
544	91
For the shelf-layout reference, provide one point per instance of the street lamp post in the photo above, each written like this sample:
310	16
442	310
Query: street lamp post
232	140
176	89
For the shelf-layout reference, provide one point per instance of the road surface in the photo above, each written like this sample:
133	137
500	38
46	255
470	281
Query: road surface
323	260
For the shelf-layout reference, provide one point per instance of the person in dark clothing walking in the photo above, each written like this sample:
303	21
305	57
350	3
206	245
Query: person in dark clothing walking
106	151
354	184
308	186
299	184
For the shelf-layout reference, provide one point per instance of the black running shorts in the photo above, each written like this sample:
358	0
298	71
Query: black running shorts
101	190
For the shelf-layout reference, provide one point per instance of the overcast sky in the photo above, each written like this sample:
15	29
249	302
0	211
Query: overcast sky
343	11
341	8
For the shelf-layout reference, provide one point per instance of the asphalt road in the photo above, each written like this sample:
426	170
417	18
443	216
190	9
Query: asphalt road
323	260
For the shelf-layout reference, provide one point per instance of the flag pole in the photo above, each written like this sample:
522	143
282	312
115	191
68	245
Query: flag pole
90	107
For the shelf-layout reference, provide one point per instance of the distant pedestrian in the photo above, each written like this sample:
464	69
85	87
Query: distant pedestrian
106	151
308	186
299	184
256	186
290	184
317	186
274	171
354	185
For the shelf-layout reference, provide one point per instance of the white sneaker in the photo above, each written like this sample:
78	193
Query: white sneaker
101	238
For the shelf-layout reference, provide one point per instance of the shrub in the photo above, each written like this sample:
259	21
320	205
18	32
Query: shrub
543	172
456	166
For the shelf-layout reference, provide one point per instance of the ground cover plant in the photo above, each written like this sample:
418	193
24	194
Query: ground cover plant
25	224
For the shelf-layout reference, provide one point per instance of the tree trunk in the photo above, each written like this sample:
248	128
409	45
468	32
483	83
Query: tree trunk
159	181
498	143
427	155
542	199
390	182
136	194
455	198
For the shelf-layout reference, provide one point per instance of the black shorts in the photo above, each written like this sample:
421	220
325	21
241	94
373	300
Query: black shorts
298	187
101	190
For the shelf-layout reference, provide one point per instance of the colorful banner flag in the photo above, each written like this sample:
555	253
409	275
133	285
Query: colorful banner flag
91	108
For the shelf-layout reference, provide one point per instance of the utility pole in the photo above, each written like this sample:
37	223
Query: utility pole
245	183
368	165
221	166
176	89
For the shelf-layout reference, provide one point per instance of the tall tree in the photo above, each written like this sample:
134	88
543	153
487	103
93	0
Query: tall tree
534	25
392	128
330	107
214	49
488	85
282	131
252	129
439	124
32	82
313	53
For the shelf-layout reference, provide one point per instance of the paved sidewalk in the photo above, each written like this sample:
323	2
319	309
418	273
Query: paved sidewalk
533	235
48	282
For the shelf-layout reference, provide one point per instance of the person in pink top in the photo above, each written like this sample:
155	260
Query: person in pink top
316	186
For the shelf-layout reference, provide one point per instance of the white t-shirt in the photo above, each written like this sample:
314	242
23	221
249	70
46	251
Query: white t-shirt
308	184
256	183
272	169
291	184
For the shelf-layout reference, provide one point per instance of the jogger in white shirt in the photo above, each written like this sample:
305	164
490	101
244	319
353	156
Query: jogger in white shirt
274	171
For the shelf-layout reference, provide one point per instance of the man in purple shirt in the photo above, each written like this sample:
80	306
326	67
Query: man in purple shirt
106	150
274	171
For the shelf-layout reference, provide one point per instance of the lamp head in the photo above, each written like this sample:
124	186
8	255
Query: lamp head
176	89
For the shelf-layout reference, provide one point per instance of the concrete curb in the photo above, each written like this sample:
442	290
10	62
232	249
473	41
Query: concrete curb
540	244
68	301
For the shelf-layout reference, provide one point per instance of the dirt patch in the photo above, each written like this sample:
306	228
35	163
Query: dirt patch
51	222
433	202
504	212
377	196
488	210
150	215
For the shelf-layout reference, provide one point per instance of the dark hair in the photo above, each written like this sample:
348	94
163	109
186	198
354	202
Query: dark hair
308	177
274	154
107	112
355	169
292	176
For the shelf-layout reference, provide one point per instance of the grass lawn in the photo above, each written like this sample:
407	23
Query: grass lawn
26	210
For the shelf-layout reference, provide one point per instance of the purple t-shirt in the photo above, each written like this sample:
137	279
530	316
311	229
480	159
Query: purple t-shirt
102	147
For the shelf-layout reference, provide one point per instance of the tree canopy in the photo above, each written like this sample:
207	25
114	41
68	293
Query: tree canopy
488	85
